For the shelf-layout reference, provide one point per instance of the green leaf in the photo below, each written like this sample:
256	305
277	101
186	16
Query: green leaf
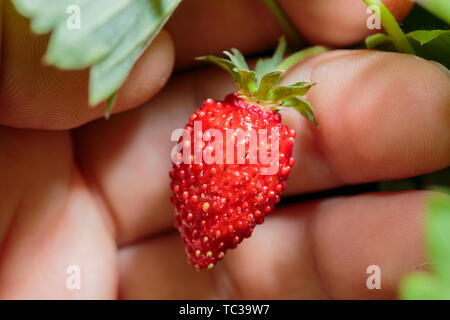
248	79
44	16
301	84
302	106
438	231
268	81
279	52
237	58
267	65
423	286
437	49
425	36
225	64
434	285
108	75
261	86
298	89
428	44
28	7
111	38
104	24
110	105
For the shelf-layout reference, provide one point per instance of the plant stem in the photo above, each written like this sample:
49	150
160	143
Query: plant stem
391	26
300	55
285	23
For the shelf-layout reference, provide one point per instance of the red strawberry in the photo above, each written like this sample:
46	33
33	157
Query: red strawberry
218	204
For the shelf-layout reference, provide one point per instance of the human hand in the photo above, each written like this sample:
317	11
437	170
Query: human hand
97	196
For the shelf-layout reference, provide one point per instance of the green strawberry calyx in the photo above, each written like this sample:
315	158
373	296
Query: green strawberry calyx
261	86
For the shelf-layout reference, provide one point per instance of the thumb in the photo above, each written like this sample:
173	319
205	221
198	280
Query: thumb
33	95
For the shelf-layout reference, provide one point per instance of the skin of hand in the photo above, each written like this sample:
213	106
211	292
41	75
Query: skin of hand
97	196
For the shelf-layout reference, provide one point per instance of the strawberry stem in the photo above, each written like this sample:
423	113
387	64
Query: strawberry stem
285	23
391	27
261	86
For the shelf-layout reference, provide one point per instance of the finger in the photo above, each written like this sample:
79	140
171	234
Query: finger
330	244
52	236
33	95
140	140
314	250
60	105
202	27
337	23
368	132
373	125
145	266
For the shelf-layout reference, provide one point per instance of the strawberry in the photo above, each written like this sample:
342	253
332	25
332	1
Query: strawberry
218	203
